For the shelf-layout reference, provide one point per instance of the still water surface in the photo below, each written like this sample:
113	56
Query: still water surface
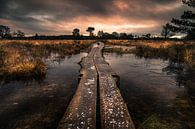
40	105
149	90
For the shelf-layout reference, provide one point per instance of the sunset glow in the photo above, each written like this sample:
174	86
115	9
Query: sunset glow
61	17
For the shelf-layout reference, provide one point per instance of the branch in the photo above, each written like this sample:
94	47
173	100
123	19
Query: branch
184	23
177	29
190	3
188	15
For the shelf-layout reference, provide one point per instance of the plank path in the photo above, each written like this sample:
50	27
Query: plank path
97	102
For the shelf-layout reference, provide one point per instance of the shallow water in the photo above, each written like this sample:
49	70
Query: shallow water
40	105
150	92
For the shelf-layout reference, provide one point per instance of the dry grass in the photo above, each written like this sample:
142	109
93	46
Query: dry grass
39	42
21	59
29	69
17	65
150	43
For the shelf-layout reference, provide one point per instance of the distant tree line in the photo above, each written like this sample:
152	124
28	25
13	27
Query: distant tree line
5	33
184	25
105	35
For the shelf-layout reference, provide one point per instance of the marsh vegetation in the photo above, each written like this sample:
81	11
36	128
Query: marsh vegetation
21	60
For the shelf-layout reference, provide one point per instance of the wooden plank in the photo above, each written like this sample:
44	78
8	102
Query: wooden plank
81	112
114	112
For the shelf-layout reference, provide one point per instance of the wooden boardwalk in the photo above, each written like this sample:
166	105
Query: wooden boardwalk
97	95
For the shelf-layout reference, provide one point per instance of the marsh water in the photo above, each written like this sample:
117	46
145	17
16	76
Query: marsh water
154	97
154	94
40	105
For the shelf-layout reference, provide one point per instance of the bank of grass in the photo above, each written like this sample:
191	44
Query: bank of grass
39	42
24	70
150	43
182	116
16	65
23	59
119	49
176	53
156	121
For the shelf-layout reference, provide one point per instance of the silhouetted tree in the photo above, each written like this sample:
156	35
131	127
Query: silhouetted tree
147	36
100	34
123	35
186	23
189	2
76	32
36	36
90	30
4	31
115	34
20	34
166	32
130	36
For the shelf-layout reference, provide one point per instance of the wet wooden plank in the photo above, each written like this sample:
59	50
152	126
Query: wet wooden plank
81	112
114	112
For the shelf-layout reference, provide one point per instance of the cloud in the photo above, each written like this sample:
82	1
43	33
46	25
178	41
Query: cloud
61	16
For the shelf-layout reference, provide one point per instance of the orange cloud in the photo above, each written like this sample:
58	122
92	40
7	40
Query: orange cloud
62	16
110	24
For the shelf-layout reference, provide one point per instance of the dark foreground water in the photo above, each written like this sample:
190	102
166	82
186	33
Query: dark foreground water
153	96
40	105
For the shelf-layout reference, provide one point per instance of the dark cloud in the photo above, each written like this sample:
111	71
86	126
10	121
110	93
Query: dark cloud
44	15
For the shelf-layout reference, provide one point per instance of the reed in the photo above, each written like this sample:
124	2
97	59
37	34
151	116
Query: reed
22	59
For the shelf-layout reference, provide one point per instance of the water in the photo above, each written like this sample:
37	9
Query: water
150	89
40	105
152	95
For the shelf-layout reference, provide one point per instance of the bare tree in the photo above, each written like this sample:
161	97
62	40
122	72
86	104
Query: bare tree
90	30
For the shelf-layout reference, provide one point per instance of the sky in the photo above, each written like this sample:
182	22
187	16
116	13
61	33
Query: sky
58	17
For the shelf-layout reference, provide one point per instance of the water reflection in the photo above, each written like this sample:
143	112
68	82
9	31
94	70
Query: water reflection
152	92
40	105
